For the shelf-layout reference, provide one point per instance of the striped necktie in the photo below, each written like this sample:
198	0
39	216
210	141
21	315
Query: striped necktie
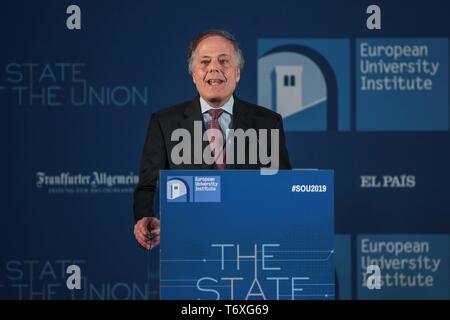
214	124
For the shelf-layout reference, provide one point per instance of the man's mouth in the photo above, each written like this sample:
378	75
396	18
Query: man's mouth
215	82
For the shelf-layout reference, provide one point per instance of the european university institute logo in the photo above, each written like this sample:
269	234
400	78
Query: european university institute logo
193	189
298	79
400	84
177	191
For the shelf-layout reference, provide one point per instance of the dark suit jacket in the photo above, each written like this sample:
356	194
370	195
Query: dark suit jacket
158	145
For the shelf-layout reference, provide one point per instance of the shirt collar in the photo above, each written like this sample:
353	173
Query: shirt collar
227	107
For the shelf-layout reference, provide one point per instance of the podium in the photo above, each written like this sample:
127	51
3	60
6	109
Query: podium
240	235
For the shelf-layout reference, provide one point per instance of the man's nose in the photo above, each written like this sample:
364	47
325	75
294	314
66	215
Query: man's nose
214	66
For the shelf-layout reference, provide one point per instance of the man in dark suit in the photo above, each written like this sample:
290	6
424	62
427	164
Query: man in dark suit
215	63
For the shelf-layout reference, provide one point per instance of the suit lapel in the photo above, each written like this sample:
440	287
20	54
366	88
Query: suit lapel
192	113
241	120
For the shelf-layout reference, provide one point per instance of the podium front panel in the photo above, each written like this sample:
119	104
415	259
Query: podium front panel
237	235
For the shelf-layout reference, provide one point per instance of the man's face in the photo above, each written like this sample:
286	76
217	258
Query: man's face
214	70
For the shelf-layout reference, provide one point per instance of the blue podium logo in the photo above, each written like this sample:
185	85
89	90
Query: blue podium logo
178	190
193	189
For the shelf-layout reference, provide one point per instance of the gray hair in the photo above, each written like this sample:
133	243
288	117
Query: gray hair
214	32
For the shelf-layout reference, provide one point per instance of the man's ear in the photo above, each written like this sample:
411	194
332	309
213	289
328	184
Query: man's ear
238	74
193	77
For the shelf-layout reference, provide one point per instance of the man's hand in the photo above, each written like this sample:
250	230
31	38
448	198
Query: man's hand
146	231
